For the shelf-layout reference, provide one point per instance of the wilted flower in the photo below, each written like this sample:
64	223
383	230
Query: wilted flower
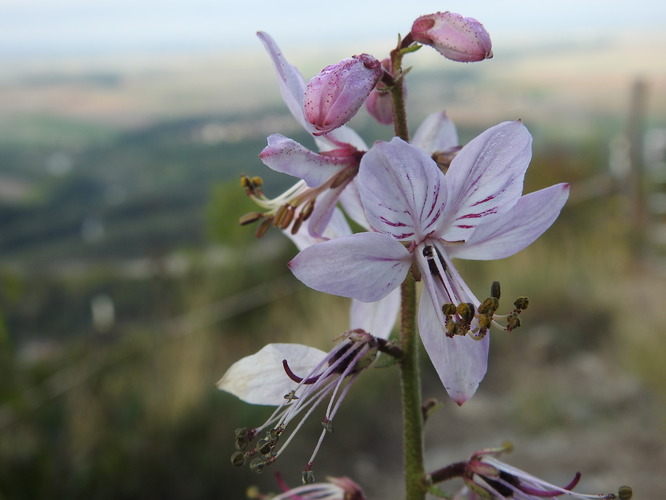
297	379
334	96
419	215
487	477
458	38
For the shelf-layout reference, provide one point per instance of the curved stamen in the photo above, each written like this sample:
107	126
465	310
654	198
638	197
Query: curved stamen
296	378
549	494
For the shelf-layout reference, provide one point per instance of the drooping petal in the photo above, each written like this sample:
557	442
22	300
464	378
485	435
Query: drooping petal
516	229
436	133
336	227
323	211
402	190
350	199
460	361
292	85
486	178
377	318
363	266
260	379
289	157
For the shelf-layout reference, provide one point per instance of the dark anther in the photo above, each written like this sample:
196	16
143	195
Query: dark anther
238	458
495	289
257	465
625	493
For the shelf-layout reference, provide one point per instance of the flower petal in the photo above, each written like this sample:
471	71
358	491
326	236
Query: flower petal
289	157
292	85
516	229
486	178
364	266
337	226
436	133
376	318
350	199
402	190
323	211
260	378
461	362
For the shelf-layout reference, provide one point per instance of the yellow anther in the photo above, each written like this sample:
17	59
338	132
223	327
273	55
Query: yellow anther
466	311
448	309
489	306
521	303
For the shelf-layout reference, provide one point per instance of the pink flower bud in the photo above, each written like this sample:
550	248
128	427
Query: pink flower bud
336	94
457	38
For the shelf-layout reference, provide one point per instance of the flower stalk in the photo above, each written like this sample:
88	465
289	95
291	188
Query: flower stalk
415	488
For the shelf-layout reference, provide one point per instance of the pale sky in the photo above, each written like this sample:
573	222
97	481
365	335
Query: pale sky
40	27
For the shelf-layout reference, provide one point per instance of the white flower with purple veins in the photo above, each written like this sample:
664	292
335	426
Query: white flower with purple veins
298	378
421	216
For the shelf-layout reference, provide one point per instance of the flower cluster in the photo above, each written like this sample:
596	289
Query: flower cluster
421	203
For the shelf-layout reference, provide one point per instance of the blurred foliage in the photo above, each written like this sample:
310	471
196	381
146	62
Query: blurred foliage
130	409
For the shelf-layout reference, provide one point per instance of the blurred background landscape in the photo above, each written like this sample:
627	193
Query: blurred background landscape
127	287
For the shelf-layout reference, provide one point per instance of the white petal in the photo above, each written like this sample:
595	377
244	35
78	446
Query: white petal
289	157
337	226
260	379
402	190
363	266
486	178
436	133
516	229
377	318
461	362
292	85
350	199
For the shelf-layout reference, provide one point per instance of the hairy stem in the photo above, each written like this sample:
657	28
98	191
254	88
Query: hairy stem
400	125
415	488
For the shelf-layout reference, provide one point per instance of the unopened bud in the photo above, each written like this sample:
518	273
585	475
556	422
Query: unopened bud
334	96
458	38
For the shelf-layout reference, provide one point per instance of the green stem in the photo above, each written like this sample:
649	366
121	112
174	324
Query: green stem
415	488
400	125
